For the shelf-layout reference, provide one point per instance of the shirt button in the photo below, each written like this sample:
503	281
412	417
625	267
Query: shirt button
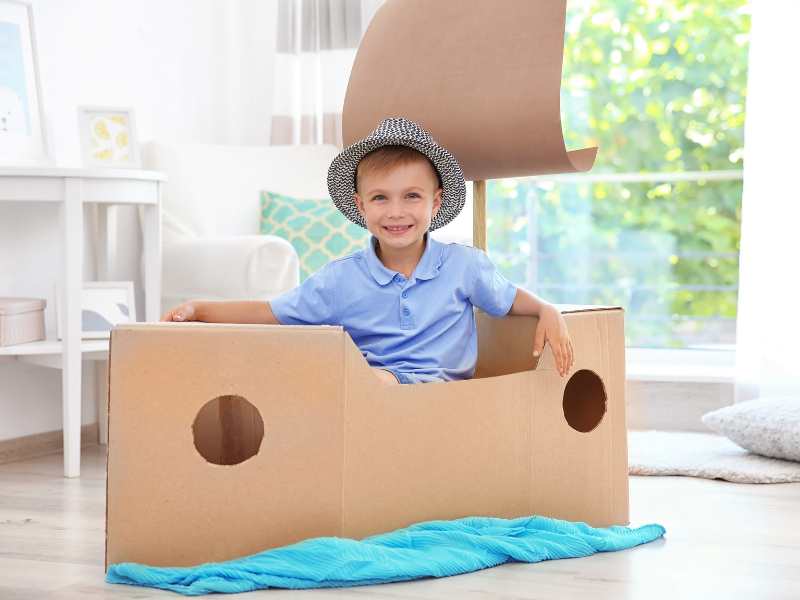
404	294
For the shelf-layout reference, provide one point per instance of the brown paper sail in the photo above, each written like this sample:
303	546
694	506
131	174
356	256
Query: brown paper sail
483	77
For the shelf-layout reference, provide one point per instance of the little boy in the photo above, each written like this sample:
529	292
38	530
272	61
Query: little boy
406	299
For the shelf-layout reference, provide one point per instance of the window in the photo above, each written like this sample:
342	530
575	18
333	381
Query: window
654	227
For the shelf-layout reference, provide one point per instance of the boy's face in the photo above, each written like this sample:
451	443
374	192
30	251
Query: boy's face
398	205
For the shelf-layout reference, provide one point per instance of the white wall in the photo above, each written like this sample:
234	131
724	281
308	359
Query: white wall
193	71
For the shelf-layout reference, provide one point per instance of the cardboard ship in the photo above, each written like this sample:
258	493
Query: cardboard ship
227	439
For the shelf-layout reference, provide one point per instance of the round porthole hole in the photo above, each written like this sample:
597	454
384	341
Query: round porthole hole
584	400
228	430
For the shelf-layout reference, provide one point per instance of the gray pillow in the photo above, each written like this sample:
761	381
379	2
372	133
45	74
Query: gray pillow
766	426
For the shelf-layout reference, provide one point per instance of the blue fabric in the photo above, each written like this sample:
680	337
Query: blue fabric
421	328
430	549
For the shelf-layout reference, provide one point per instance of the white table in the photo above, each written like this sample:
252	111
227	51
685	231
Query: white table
71	188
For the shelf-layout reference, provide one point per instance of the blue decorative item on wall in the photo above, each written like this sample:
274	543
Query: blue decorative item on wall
22	132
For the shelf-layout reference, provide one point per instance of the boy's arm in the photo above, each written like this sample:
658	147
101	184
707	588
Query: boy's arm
491	292
236	311
526	303
551	328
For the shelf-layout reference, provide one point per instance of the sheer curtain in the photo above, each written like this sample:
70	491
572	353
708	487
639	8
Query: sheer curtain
768	318
316	43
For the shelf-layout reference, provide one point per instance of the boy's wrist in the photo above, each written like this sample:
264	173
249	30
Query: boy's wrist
540	306
544	305
199	310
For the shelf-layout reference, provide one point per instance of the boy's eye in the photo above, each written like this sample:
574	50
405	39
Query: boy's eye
382	197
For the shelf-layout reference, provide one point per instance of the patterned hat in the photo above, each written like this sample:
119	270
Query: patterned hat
401	132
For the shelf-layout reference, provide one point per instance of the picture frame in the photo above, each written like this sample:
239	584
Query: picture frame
104	304
108	137
23	139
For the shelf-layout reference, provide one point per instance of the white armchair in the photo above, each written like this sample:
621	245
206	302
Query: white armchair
212	248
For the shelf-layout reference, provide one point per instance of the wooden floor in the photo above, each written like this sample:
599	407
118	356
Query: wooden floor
724	540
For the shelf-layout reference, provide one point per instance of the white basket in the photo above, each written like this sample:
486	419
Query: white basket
21	320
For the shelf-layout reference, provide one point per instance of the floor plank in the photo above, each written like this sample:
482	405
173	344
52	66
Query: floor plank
724	540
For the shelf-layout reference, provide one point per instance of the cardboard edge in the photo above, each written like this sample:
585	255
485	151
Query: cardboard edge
156	325
623	495
108	438
586	308
582	160
343	420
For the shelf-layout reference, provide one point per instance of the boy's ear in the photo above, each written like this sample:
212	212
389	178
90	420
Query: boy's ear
437	201
359	204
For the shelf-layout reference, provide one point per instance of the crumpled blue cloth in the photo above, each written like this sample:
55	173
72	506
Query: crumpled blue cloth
428	549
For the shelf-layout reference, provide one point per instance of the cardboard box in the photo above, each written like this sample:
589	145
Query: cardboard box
323	448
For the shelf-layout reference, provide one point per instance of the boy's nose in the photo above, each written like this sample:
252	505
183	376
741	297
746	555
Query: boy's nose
395	209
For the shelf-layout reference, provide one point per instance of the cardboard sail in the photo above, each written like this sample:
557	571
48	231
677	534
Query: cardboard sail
483	77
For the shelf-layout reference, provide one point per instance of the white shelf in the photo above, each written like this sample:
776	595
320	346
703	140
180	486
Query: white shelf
94	173
71	189
49	353
51	347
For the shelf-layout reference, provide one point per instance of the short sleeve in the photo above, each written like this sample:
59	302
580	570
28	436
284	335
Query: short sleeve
311	303
491	292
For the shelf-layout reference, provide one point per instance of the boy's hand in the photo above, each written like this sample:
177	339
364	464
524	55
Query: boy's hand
553	328
183	312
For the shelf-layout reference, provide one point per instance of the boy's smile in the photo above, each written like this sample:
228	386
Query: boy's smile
398	206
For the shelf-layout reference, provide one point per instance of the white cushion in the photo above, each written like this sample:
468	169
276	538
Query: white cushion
766	426
214	189
257	267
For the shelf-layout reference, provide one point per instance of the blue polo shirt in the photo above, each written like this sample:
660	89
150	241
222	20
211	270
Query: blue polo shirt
421	328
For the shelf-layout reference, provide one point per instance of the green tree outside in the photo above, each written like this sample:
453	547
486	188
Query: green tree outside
659	87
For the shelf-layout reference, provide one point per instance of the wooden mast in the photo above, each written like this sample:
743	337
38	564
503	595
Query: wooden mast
479	214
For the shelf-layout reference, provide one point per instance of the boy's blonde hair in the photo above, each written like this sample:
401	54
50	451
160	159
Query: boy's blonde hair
385	158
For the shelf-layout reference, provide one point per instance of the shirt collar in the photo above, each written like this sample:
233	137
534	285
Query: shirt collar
427	267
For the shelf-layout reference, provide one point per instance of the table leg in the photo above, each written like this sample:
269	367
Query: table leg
106	258
106	240
71	220
151	246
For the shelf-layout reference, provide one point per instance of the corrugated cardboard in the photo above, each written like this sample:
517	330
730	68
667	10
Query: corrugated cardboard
343	454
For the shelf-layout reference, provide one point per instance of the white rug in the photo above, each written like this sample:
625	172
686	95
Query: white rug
704	455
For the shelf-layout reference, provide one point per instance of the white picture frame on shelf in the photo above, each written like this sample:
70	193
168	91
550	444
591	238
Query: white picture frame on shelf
108	137
23	141
104	305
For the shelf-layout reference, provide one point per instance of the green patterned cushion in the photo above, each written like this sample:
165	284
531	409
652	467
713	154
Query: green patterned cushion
315	227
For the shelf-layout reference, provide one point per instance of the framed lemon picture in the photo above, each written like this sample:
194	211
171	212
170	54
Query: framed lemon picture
108	137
